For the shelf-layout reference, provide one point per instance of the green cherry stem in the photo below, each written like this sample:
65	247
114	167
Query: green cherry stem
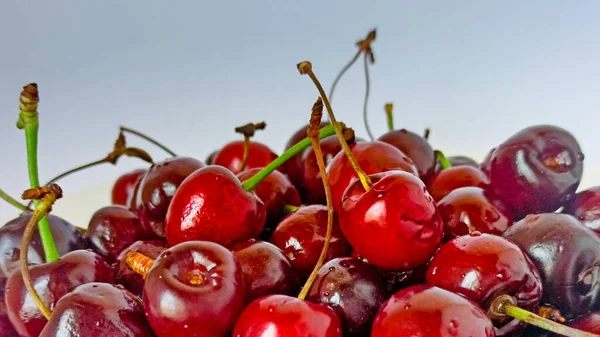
389	111
427	133
444	163
151	140
28	120
13	201
287	209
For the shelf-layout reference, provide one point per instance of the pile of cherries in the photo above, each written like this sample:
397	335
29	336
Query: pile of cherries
420	245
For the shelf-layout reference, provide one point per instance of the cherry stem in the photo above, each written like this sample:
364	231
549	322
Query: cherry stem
426	134
13	201
342	72
139	263
48	196
444	163
302	145
287	209
389	111
551	313
366	102
248	132
315	121
504	305
305	68
29	121
141	135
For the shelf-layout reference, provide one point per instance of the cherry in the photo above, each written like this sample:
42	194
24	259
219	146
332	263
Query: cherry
98	309
301	236
275	191
232	154
423	310
395	225
543	163
484	266
194	288
52	281
292	166
354	289
266	269
589	322
6	328
462	161
447	180
372	157
585	206
285	316
209	160
112	229
566	254
467	210
128	278
124	187
415	147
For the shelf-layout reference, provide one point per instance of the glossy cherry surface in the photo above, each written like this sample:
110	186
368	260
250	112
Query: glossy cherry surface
231	156
424	311
415	147
484	266
266	269
585	206
124	188
536	170
194	288
396	280
447	180
157	187
285	316
301	236
125	276
395	225
567	255
6	328
52	281
372	157
467	210
211	205
98	309
354	289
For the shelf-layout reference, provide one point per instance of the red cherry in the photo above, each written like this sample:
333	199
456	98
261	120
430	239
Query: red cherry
128	278
395	225
231	155
285	316
372	157
415	147
211	205
585	206
589	322
124	187
292	166
424	311
447	180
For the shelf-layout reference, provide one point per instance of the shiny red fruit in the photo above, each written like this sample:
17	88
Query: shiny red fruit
585	206
415	147
128	278
232	155
447	180
395	225
211	205
124	188
285	316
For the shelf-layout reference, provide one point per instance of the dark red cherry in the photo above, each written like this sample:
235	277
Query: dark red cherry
275	191
52	281
98	309
415	147
396	280
194	288
211	205
232	155
372	157
395	225
447	180
567	255
484	266
536	170
301	236
157	187
126	277
423	310
6	328
112	229
209	160
589	322
266	269
124	188
354	289
462	161
292	166
467	210
285	316
585	206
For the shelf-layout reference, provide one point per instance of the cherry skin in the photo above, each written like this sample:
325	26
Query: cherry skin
415	147
395	225
231	156
543	163
209	160
467	210
484	266
462	161
585	206
157	187
125	276
194	288
447	180
301	236
100	309
567	255
372	157
266	269
124	188
6	328
112	229
275	191
52	281
354	289
285	316
292	166
589	322
211	205
423	310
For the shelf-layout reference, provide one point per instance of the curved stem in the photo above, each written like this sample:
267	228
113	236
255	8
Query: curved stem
389	111
367	92
141	135
444	163
13	201
342	72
